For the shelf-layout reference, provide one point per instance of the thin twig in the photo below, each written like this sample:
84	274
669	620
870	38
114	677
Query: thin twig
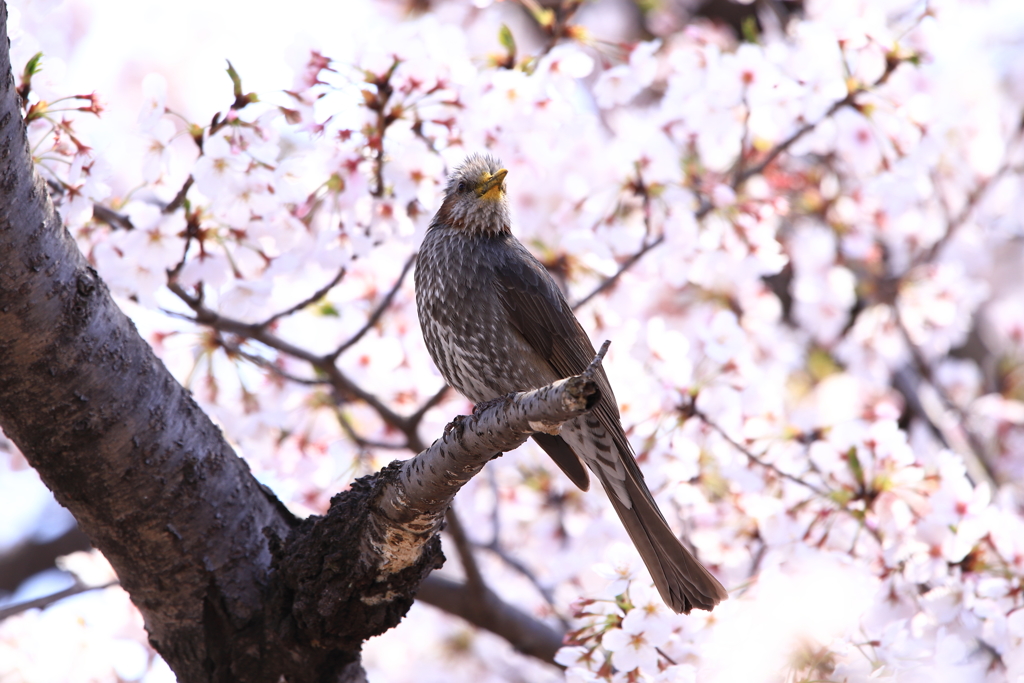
665	656
741	177
342	384
741	158
755	562
316	296
112	218
495	547
598	359
179	198
971	448
744	175
702	210
415	418
119	220
378	103
696	412
953	224
377	312
47	600
626	265
362	442
545	592
474	579
260	361
823	493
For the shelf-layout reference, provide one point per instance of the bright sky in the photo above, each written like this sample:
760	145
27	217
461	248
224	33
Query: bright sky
110	43
109	46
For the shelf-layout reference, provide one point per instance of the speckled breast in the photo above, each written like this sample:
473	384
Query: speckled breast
464	324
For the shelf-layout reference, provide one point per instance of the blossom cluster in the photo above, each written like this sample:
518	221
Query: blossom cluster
804	244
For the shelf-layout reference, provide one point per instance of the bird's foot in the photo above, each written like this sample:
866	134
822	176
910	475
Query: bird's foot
490	403
456	425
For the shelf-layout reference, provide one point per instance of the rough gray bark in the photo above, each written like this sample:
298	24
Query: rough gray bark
231	586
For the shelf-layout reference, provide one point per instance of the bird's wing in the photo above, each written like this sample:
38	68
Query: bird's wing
538	311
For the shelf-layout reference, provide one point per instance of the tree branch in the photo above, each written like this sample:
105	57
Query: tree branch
742	175
210	557
488	612
316	296
47	600
381	538
377	313
29	558
429	481
122	445
524	632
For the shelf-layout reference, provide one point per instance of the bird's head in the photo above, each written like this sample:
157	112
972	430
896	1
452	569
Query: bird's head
475	199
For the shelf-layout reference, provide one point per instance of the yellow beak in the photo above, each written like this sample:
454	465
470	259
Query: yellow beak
490	188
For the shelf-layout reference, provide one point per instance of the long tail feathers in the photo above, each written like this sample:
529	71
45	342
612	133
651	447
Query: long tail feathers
683	582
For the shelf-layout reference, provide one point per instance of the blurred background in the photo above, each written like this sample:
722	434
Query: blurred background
799	223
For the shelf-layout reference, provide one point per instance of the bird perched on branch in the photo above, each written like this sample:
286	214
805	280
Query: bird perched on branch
495	322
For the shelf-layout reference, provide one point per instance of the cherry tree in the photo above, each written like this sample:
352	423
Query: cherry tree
799	229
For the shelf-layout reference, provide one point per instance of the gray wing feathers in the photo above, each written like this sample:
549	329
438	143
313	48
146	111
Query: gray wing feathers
540	314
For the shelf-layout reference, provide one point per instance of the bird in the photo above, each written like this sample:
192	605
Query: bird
495	322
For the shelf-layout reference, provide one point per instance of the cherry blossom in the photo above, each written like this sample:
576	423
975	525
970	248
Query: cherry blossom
803	242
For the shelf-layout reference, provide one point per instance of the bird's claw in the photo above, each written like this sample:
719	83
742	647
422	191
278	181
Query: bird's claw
456	425
490	403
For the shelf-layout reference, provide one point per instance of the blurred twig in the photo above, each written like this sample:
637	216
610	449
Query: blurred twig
342	384
929	405
691	409
312	299
374	317
742	175
47	600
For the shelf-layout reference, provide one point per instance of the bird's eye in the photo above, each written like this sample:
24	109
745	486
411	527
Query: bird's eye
462	187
